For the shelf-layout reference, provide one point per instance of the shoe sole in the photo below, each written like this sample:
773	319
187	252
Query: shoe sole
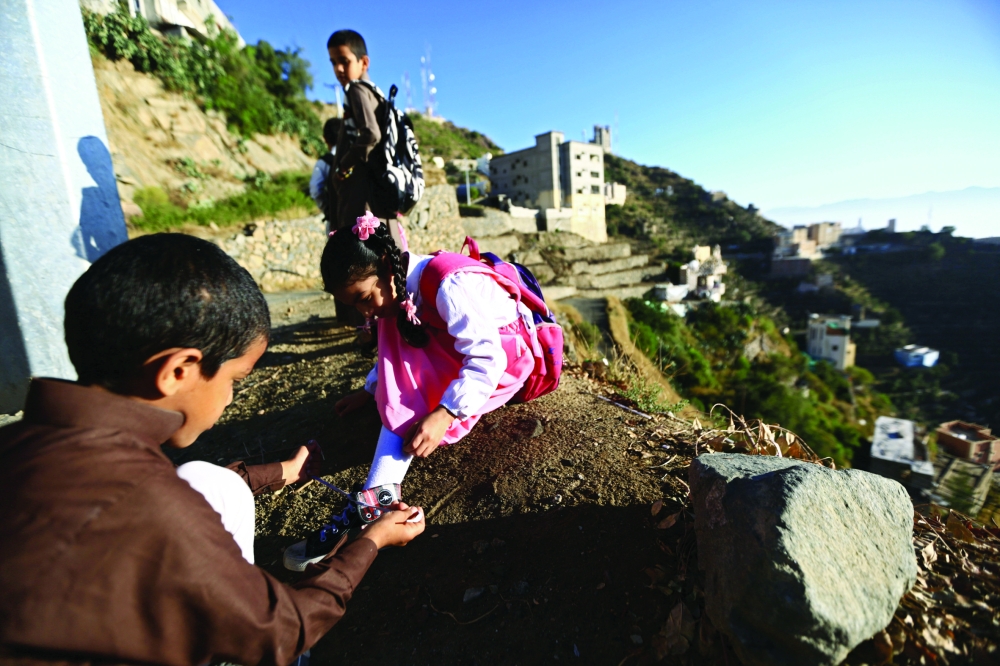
295	558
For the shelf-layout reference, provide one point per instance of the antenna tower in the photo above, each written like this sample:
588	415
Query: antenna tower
409	91
431	89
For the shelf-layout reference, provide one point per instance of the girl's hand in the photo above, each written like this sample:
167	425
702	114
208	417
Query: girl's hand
396	527
425	435
352	402
305	464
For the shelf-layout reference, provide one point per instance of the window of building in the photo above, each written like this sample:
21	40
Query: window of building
580	191
834	347
595	158
595	174
595	189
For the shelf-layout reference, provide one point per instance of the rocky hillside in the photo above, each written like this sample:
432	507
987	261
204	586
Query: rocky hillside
164	139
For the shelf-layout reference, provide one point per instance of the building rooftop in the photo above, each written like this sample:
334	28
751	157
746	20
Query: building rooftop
967	431
893	439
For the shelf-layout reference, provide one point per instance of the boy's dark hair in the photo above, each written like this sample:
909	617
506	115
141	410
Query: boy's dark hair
347	259
330	129
158	292
351	40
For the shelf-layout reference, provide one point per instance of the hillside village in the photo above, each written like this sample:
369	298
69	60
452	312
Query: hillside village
694	324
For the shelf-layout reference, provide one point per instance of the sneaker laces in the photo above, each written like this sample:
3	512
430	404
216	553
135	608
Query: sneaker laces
344	516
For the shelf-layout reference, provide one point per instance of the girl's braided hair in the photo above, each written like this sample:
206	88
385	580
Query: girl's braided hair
348	259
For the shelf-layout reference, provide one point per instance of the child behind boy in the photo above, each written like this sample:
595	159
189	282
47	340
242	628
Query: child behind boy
107	554
321	187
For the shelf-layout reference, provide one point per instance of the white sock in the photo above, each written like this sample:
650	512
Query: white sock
390	463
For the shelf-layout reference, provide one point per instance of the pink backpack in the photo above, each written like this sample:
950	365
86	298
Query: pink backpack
523	287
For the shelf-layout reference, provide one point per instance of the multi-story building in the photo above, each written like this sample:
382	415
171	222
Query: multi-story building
602	137
564	180
969	441
830	340
825	234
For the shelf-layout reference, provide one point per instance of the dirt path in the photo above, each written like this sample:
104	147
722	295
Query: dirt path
540	517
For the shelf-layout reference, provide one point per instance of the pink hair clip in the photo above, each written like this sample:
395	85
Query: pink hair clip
366	225
411	310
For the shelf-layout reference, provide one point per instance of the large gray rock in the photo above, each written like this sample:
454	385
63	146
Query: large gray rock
802	563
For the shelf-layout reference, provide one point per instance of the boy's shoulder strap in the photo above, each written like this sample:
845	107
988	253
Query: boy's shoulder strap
365	84
329	158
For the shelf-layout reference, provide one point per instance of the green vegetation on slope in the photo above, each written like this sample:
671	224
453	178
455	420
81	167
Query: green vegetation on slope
448	141
681	211
264	197
260	89
705	354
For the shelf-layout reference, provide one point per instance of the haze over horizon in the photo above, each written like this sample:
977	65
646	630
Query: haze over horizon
782	105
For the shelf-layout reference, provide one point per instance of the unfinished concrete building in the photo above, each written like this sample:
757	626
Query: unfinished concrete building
564	180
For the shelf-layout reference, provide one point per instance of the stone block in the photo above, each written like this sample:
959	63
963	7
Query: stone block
501	246
601	267
558	292
542	272
616	279
802	563
598	252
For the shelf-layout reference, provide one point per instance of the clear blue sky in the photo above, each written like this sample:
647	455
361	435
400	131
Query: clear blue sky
781	103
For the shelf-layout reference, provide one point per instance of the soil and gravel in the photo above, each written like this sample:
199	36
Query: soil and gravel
539	525
559	529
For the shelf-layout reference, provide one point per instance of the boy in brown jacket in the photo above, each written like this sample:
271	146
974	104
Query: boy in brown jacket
108	554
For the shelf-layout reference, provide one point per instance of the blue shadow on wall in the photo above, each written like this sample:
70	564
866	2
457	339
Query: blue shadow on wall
102	224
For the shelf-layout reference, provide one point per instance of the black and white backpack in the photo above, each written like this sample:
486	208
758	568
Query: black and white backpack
401	184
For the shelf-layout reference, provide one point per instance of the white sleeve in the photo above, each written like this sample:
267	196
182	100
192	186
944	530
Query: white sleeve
319	174
466	303
371	381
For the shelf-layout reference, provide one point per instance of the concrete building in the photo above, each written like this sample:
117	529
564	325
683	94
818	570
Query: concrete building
703	274
563	179
912	356
830	340
614	194
825	234
897	455
602	137
171	17
972	442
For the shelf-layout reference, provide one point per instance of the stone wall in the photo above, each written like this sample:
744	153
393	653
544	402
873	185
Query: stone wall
283	255
434	223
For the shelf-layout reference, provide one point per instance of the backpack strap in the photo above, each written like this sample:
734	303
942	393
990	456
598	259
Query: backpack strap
444	264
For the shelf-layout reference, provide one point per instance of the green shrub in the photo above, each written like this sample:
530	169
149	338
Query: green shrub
273	195
260	89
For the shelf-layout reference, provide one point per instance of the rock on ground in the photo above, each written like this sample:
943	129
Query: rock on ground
802	562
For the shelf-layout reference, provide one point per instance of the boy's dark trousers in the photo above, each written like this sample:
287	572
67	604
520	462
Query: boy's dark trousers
353	200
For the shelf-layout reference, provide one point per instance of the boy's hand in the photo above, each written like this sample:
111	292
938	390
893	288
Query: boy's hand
424	436
352	402
397	527
305	464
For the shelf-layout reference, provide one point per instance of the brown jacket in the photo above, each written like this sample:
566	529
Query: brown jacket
107	555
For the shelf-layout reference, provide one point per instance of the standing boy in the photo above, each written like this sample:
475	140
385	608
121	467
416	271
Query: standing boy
109	554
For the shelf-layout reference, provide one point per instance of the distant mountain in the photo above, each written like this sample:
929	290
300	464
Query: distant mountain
974	212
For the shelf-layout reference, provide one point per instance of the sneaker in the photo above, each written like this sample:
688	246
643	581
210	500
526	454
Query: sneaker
365	506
